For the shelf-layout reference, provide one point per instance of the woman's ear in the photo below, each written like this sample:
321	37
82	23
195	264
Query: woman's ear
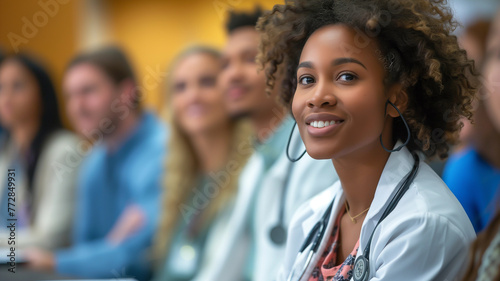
399	97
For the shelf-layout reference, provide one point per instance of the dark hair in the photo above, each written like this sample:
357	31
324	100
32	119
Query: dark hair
112	61
243	19
416	48
50	119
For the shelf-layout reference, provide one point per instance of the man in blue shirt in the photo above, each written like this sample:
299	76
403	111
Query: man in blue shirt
475	183
120	179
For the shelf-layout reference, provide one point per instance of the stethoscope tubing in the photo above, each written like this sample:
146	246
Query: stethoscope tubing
317	232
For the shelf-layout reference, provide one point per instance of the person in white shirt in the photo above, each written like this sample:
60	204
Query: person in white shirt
270	188
38	185
375	86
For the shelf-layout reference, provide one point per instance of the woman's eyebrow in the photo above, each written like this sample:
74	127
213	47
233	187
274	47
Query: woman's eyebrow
306	64
340	61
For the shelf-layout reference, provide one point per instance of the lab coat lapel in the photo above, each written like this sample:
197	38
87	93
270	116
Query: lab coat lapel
318	206
246	190
396	168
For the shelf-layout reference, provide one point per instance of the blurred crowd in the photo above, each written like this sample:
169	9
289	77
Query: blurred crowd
207	191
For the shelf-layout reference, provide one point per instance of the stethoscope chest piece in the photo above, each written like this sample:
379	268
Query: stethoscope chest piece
361	268
278	235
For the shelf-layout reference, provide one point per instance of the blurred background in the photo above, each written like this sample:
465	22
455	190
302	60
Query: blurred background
150	31
153	32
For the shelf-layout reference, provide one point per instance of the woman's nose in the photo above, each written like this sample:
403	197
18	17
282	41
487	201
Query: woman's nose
322	96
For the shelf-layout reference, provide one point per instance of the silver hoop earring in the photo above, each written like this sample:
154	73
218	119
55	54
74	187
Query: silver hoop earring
288	147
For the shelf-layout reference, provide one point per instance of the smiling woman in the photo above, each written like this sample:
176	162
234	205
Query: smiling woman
360	88
202	167
374	86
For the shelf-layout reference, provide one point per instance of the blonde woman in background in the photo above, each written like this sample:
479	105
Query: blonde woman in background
206	156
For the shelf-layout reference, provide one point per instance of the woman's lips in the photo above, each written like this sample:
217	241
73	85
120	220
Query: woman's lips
196	110
235	93
322	124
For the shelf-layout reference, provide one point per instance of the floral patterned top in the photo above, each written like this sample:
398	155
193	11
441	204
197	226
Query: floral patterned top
326	270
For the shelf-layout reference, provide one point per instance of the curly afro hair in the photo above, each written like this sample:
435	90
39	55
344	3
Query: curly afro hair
416	48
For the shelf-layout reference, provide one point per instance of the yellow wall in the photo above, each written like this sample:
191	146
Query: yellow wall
53	40
151	31
154	31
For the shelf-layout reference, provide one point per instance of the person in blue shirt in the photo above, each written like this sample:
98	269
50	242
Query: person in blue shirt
484	260
475	181
119	182
473	173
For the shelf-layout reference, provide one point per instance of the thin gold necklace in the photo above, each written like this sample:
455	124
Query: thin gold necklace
349	214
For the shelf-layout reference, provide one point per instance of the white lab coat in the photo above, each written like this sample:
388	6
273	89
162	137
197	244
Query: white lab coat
309	178
54	188
426	237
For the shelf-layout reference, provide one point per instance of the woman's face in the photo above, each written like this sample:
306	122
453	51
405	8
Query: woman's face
492	73
19	95
340	97
197	103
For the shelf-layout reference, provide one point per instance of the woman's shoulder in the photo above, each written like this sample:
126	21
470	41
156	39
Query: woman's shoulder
429	201
58	145
60	138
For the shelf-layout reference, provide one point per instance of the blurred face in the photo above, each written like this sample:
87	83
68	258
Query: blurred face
197	103
90	96
340	96
19	95
492	73
243	86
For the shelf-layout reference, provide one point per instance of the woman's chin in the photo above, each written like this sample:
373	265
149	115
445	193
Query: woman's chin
320	154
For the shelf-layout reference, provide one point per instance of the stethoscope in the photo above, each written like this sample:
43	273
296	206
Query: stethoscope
278	232
361	265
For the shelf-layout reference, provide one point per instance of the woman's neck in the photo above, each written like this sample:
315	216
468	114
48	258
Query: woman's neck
485	138
359	173
489	149
23	135
212	148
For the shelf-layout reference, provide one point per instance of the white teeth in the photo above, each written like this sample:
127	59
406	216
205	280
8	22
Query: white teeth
321	124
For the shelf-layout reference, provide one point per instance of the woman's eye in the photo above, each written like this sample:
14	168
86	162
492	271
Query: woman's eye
250	59
306	80
347	77
18	86
179	88
207	82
